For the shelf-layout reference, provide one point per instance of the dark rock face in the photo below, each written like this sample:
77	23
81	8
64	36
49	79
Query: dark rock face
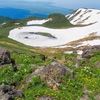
53	74
43	57
4	56
88	53
8	93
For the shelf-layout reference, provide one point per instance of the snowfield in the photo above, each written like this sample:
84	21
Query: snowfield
89	17
40	22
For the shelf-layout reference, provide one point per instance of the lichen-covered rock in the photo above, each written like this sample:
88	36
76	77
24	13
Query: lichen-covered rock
53	74
8	93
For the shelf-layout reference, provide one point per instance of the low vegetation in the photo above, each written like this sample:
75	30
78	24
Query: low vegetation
86	80
3	19
57	21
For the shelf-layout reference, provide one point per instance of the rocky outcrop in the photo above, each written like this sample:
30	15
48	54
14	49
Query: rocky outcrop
89	52
42	57
4	56
8	93
6	59
53	74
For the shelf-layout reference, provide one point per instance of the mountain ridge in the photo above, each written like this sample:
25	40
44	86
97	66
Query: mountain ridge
84	16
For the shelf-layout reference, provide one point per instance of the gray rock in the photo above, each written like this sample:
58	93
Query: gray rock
8	93
89	52
53	74
5	59
97	64
42	57
4	56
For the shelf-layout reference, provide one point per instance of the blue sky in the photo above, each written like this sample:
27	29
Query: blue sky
71	4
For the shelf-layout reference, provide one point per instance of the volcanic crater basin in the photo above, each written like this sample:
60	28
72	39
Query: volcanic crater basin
63	36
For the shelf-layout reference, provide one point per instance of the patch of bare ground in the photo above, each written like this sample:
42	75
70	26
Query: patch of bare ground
71	46
50	50
53	50
91	36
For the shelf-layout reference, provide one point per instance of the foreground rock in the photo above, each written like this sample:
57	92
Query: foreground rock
89	52
8	93
53	74
6	59
4	56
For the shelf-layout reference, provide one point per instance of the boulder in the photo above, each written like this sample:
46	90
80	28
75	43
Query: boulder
42	57
8	93
53	74
89	52
97	64
4	56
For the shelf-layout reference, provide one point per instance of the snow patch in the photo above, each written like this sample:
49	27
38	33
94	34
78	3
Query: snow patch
63	36
37	22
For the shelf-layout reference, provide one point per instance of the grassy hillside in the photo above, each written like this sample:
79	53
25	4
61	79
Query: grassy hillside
3	19
57	21
10	44
86	81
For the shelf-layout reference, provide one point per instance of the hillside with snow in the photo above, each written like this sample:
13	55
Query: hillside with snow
87	33
84	16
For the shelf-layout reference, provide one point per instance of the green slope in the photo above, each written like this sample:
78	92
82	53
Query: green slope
57	21
3	19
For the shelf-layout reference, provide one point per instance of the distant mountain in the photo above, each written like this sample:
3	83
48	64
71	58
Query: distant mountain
42	12
84	16
3	19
